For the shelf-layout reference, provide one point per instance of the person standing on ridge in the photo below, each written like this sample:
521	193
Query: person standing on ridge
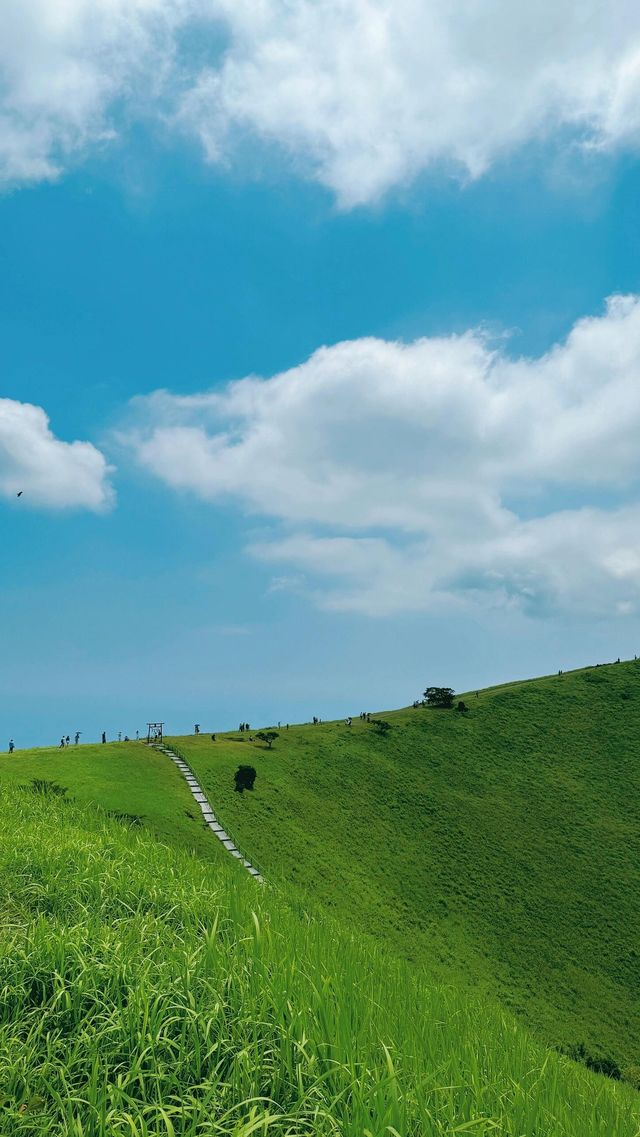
11	746
104	736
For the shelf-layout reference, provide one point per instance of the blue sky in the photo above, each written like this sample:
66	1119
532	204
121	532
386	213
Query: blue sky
446	494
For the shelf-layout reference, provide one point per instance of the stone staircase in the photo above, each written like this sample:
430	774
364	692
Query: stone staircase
209	817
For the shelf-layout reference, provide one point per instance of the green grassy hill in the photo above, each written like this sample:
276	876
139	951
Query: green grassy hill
132	781
498	848
425	885
145	992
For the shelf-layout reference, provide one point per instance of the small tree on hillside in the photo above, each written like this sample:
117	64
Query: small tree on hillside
381	726
439	697
268	736
244	777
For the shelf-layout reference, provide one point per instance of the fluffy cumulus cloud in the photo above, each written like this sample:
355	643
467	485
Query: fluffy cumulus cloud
405	476
361	95
49	472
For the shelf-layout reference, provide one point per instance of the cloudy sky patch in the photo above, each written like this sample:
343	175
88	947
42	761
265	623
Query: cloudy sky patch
428	441
250	254
360	96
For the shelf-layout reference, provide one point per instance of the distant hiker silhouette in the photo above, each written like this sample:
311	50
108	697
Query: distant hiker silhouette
104	736
244	778
11	746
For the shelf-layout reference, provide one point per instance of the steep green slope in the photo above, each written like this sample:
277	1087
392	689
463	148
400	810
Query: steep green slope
499	847
146	993
127	778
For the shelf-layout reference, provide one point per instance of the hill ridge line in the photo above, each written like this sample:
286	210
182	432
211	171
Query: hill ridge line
209	816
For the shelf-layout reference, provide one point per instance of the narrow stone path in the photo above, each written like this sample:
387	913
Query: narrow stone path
207	812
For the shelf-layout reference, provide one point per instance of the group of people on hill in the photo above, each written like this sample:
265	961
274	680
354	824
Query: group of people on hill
66	739
244	726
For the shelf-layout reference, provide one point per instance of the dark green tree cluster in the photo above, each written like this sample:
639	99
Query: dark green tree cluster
439	697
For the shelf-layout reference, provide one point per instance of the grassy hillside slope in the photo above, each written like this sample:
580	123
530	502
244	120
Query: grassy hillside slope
127	778
146	993
500	847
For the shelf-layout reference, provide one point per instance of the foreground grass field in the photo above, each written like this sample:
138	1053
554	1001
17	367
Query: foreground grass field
147	993
500	847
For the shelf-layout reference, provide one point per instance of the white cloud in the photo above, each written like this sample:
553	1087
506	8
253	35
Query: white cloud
361	95
70	68
49	472
570	561
368	93
440	468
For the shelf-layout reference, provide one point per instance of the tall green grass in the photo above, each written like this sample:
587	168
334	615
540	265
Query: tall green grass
143	992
